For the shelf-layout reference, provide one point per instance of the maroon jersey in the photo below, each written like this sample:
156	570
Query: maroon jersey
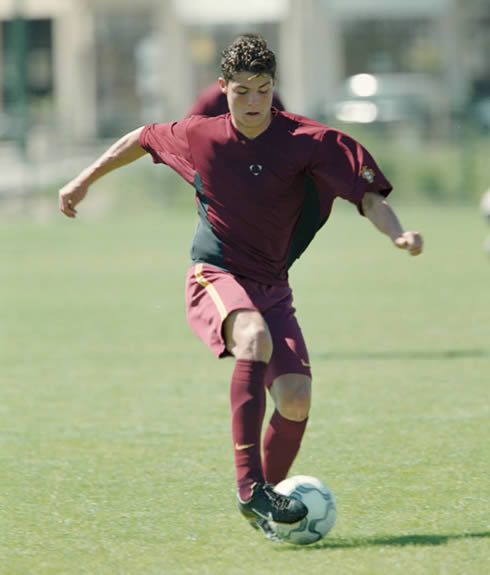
250	194
212	102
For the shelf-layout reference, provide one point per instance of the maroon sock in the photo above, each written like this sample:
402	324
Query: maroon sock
247	397
281	444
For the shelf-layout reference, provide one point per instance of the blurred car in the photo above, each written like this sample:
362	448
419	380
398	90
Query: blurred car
481	112
385	98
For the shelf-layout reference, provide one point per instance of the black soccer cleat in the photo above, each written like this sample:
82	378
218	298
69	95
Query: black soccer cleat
266	504
264	526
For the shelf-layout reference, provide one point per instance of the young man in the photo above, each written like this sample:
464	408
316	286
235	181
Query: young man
252	170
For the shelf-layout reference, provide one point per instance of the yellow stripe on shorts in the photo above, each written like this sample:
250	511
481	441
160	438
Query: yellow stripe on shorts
201	280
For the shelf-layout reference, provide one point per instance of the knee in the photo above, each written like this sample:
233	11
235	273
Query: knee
256	343
292	396
250	337
296	408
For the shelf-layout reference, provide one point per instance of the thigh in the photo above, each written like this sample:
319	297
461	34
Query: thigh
211	295
289	355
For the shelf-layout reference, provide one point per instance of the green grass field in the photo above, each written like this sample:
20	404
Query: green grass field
115	452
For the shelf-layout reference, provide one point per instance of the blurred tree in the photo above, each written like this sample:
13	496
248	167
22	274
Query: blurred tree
16	77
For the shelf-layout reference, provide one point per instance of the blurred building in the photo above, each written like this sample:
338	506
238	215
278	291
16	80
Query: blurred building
75	70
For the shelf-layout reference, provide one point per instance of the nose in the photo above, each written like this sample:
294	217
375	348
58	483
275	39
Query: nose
252	98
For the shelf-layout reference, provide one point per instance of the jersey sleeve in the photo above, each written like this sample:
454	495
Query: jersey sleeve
341	167
169	144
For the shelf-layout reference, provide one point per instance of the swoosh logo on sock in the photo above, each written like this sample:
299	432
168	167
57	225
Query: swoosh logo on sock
239	447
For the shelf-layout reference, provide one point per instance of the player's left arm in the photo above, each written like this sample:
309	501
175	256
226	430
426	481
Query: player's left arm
377	209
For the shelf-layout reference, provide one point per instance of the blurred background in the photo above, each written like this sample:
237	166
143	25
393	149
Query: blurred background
410	80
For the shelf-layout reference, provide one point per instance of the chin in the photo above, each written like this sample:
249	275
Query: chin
254	120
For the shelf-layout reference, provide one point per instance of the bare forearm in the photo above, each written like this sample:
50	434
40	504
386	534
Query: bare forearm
379	211
126	150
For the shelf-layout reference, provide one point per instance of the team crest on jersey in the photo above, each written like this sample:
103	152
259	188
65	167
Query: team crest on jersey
367	174
255	169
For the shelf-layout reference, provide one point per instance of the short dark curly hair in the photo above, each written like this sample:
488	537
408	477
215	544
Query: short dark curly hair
248	53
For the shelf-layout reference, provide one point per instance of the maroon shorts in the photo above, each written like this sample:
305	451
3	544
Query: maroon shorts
212	294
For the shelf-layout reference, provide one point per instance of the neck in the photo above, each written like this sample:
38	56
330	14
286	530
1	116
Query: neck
252	132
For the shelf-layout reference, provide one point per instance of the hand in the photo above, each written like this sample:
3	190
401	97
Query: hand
71	195
411	241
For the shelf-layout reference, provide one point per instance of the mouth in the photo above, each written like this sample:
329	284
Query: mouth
253	114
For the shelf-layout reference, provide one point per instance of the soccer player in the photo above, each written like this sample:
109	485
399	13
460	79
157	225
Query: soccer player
252	170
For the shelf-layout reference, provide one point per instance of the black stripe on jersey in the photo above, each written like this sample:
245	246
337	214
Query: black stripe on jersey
206	247
309	222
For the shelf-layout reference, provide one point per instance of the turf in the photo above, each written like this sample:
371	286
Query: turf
115	453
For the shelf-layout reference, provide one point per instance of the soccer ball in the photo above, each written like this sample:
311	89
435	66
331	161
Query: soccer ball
322	510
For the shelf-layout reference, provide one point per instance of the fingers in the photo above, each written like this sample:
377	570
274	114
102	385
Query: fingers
67	205
68	197
67	208
71	195
410	241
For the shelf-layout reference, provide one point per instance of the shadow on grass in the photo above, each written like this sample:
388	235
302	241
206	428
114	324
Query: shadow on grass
422	355
399	541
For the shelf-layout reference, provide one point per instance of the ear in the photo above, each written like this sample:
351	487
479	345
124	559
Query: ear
222	85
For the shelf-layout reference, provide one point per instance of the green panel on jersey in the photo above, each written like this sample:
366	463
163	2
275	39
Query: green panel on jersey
309	222
206	247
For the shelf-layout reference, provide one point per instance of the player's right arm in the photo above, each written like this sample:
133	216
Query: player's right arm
126	150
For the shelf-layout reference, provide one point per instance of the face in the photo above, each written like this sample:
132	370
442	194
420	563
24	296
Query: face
249	99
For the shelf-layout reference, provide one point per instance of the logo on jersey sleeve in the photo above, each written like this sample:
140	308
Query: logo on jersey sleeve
367	174
255	169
